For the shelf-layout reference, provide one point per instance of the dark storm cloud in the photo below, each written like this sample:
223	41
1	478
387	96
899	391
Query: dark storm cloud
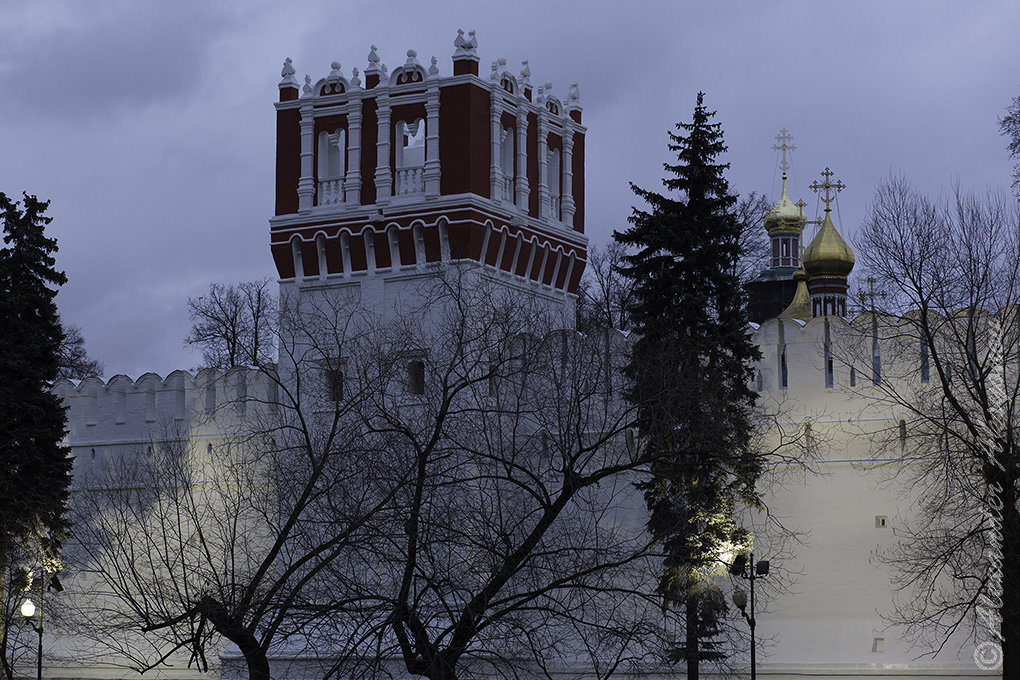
95	65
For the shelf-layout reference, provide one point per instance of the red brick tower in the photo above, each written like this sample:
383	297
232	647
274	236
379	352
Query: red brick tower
414	167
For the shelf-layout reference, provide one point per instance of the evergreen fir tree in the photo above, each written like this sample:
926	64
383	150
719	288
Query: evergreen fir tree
691	372
35	472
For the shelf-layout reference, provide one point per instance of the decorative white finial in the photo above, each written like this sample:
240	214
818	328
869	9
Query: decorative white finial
288	74
355	79
540	96
492	72
412	59
334	74
502	64
383	68
573	96
785	140
466	47
307	89
373	61
434	69
525	73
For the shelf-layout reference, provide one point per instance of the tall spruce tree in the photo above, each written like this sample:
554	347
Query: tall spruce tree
691	372
35	473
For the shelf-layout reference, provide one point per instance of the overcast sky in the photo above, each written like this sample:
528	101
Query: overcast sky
151	128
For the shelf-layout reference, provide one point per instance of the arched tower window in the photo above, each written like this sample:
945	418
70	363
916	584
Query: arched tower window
332	166
555	176
410	157
507	139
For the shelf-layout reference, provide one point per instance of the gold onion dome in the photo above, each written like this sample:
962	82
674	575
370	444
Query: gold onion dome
828	253
800	305
785	213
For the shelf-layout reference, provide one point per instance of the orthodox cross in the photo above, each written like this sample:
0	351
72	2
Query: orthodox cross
869	296
827	186
785	140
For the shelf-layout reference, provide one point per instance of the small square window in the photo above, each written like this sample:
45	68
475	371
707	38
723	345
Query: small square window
878	645
880	521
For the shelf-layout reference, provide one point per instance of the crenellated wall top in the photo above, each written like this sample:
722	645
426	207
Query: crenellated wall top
126	409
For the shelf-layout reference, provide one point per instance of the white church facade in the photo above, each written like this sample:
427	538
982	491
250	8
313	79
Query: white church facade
384	178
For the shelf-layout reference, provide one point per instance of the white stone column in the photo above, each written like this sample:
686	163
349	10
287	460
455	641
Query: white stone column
566	166
352	180
544	208
433	170
306	183
522	157
383	172
495	173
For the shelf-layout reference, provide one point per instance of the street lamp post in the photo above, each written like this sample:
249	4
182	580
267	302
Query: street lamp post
28	610
745	567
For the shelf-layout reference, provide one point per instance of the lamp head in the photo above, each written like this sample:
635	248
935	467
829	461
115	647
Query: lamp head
28	608
740	599
762	568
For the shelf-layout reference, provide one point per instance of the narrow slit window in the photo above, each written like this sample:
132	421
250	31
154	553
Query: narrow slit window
416	376
903	435
853	377
829	367
210	399
333	382
972	360
784	376
925	366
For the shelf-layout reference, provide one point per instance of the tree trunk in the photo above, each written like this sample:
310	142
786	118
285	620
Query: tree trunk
691	624
8	670
258	662
254	653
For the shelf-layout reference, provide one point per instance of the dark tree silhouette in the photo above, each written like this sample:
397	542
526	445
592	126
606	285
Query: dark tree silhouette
35	470
691	373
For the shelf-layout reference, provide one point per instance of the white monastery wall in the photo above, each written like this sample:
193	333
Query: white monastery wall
846	507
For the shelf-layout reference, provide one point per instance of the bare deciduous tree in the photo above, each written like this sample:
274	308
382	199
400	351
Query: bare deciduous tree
75	363
941	349
230	324
182	546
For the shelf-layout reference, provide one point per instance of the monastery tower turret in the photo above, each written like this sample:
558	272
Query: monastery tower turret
774	289
828	260
375	180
